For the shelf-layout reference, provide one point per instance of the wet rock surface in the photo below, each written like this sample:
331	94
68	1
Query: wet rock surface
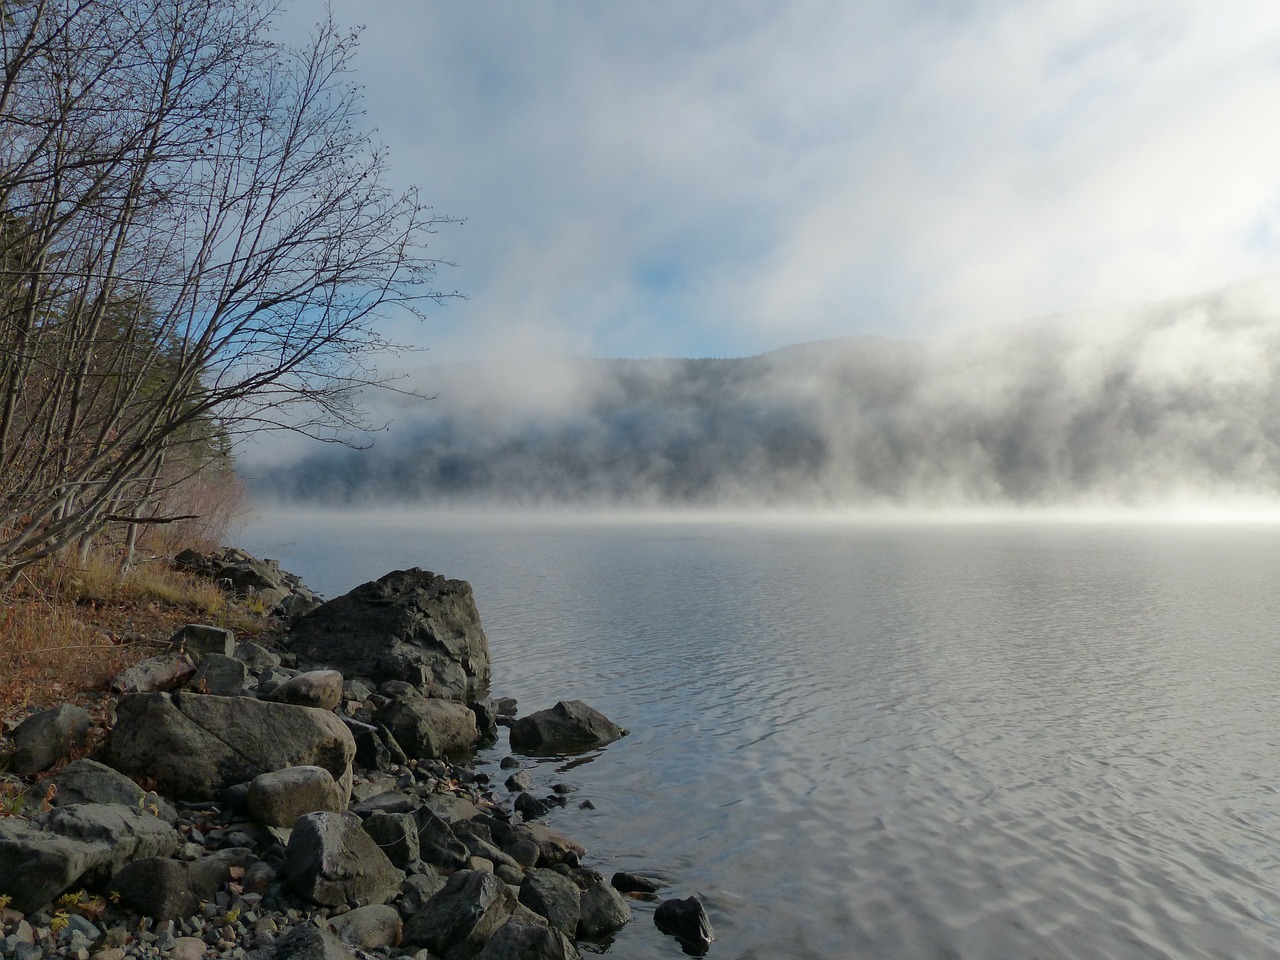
247	825
568	727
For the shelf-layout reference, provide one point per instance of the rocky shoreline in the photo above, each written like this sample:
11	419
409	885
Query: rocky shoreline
315	798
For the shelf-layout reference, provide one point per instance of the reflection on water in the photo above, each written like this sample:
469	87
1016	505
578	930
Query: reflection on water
988	741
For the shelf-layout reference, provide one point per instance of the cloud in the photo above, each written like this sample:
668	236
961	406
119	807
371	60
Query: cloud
699	178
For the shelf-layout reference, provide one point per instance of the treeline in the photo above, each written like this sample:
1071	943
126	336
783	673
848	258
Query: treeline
1140	406
196	240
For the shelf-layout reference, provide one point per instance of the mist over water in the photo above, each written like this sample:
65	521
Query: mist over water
1168	405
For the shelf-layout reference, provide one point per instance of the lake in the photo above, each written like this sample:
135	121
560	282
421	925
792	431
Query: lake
890	740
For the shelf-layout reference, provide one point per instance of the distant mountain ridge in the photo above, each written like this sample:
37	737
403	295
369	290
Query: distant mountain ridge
1124	406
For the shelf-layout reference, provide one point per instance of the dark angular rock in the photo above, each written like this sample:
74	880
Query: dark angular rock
410	625
396	834
166	889
529	806
46	737
331	860
437	843
486	712
459	919
515	940
552	897
569	726
519	781
687	921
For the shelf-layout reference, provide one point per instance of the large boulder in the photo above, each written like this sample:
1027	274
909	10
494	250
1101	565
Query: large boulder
42	857
193	746
568	727
410	625
331	860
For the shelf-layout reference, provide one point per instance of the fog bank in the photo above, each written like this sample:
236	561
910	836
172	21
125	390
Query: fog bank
1169	403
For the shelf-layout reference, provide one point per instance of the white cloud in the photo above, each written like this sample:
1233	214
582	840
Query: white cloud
816	168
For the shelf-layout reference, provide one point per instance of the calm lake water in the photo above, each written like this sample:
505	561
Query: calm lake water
918	741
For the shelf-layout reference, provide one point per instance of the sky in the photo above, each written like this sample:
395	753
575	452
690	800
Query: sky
716	178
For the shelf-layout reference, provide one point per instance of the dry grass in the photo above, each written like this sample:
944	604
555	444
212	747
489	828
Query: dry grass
66	631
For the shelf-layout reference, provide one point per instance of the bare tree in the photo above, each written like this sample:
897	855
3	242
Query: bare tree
196	237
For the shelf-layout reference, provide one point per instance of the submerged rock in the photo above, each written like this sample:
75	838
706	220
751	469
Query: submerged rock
687	921
569	726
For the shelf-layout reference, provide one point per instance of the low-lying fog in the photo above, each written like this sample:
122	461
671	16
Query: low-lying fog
1172	405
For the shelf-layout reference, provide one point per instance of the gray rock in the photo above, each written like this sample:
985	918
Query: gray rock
279	797
377	925
255	656
46	737
315	688
165	672
687	921
515	940
426	728
389	801
167	889
410	625
418	888
523	852
88	781
554	897
519	781
396	834
569	726
220	675
459	919
304	942
199	639
437	842
552	847
193	746
601	912
331	860
41	858
635	883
